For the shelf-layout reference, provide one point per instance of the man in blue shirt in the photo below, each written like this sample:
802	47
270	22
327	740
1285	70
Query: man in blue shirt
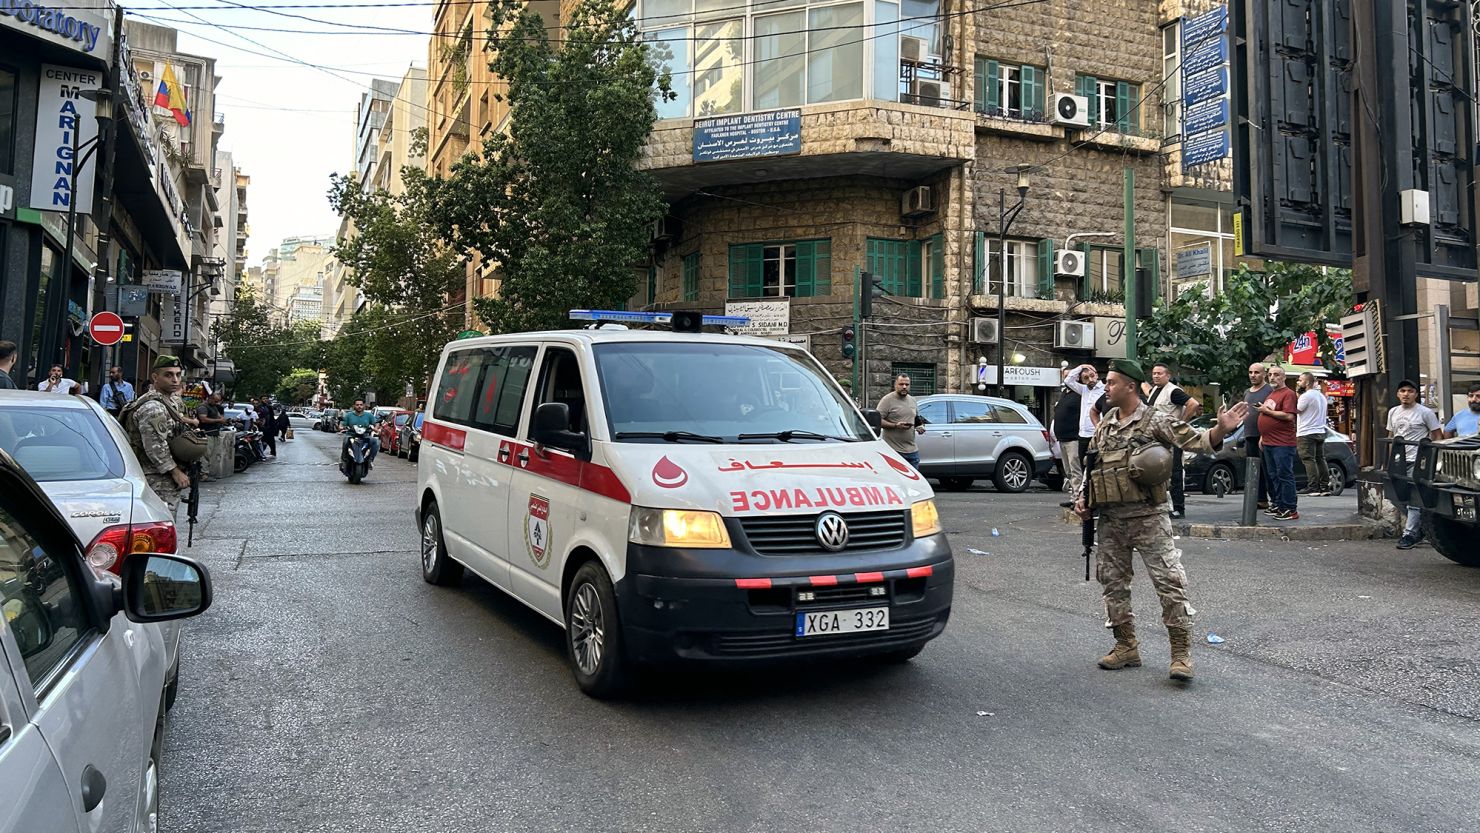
1466	423
360	416
116	392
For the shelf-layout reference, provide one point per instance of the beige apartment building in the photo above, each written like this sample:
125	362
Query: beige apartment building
292	279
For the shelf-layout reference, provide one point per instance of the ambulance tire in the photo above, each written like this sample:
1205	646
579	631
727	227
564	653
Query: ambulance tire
591	614
437	567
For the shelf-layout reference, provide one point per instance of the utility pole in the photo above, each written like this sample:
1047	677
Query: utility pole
1128	264
103	206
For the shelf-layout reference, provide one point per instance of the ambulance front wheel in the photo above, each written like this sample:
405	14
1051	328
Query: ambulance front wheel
593	633
436	567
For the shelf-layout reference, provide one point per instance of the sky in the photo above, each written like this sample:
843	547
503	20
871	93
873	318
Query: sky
289	126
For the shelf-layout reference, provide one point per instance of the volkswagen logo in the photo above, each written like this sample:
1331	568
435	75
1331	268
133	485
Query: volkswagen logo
832	531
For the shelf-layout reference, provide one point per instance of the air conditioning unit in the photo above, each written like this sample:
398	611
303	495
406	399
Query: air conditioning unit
146	76
664	229
984	330
914	49
917	201
1069	262
1074	335
929	93
1070	110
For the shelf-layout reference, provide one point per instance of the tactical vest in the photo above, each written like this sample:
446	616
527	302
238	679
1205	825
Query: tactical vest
1110	482
1164	401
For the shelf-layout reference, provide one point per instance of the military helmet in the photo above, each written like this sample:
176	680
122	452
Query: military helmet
1151	465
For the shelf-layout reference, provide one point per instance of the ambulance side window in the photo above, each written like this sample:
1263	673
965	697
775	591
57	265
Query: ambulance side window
505	378
457	390
560	381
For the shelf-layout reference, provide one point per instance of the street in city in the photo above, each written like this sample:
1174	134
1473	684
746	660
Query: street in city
330	689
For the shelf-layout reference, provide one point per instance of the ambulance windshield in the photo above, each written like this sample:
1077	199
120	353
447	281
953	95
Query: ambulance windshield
720	391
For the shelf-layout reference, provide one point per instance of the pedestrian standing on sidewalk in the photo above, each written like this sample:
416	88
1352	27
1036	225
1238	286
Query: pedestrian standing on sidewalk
1310	435
1128	486
1277	415
117	393
1258	391
1466	423
55	382
268	429
1085	381
1410	421
1168	397
8	351
899	416
1066	431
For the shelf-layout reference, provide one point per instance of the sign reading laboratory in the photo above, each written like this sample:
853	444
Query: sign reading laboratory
61	112
767	318
774	133
72	25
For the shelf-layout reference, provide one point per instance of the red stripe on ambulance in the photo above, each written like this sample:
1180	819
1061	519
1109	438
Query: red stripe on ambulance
438	434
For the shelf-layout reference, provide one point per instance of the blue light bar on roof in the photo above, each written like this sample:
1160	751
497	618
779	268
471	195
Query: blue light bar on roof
620	316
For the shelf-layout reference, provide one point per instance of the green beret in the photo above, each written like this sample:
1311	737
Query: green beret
1127	367
166	361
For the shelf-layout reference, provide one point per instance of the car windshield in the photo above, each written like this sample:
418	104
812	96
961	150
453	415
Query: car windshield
719	390
60	443
401	419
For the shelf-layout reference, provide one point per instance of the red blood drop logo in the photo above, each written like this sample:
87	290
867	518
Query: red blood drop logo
668	474
901	467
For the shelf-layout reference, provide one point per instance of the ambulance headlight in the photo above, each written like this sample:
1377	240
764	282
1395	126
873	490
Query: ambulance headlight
677	528
925	518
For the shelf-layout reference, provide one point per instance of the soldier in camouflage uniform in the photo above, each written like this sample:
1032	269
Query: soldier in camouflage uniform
1133	514
151	420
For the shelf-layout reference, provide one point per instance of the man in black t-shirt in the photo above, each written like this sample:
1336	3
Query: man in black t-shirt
1066	431
1167	396
212	418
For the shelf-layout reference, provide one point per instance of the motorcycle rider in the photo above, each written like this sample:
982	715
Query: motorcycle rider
360	416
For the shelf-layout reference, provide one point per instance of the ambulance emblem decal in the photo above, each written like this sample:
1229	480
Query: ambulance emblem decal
537	531
668	474
901	466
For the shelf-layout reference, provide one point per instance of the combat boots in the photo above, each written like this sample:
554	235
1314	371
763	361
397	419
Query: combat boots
1181	639
1126	653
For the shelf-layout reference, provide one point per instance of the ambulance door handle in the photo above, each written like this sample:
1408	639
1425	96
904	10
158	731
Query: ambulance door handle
523	456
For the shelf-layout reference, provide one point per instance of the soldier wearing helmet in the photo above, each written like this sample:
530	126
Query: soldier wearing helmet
1128	486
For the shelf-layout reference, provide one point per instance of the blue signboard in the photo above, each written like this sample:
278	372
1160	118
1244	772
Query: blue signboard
776	133
1205	116
1205	85
1206	55
1204	26
1204	148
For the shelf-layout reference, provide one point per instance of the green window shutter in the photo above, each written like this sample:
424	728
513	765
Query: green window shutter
746	264
1125	101
994	86
691	277
1086	284
1088	86
806	264
979	100
912	270
737	272
1045	268
1150	259
938	267
1040	92
979	278
1029	76
822	264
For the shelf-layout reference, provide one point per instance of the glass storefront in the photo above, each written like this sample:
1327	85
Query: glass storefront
1200	241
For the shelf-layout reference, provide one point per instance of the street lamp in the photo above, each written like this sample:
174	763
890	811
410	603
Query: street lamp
1004	221
56	296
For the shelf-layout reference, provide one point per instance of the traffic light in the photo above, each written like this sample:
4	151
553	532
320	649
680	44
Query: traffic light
850	347
872	287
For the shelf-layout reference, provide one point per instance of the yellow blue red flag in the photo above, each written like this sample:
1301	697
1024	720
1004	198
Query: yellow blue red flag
171	96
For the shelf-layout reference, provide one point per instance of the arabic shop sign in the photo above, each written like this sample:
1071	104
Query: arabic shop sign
774	133
74	25
767	318
61	111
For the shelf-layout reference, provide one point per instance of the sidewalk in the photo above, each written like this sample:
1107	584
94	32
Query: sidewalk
1321	519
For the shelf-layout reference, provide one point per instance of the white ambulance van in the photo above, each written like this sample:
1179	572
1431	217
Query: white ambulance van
677	496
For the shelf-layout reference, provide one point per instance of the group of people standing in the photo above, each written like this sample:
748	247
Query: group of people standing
1281	425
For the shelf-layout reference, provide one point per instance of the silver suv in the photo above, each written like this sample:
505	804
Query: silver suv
976	437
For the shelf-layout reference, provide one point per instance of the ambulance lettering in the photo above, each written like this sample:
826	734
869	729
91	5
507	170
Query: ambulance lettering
765	500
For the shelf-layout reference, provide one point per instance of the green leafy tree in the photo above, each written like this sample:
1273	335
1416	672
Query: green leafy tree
1257	314
262	350
557	201
298	386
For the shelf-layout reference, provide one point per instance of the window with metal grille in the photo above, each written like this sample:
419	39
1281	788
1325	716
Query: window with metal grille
691	276
922	377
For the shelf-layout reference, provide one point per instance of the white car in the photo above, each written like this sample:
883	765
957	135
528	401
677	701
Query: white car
81	457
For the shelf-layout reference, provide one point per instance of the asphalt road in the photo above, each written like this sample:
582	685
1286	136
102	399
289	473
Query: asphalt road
330	689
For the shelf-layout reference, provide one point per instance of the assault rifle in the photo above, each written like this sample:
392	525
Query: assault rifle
192	502
1087	525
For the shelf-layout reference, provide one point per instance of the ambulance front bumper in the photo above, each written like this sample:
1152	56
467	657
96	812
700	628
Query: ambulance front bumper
737	607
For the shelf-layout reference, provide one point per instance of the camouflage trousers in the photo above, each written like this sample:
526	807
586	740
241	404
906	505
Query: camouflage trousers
164	486
1151	535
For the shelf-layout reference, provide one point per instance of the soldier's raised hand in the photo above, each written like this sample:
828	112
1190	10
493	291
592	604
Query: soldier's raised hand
1229	419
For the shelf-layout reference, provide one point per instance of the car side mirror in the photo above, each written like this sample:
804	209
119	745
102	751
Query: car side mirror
158	587
874	419
26	616
551	427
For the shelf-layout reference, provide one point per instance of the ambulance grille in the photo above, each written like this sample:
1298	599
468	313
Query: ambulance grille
797	534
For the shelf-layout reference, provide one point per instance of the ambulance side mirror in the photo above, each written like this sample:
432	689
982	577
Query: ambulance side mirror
874	420
551	428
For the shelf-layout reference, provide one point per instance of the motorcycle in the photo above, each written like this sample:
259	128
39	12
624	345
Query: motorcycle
354	459
245	454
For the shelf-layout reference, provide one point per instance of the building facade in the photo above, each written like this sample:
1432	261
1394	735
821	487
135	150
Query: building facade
292	278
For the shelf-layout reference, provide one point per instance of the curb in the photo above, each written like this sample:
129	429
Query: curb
1359	531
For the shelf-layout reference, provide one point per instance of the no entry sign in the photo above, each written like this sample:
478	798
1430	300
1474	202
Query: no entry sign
106	328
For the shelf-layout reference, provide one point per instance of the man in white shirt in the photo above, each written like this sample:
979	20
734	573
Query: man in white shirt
1412	422
1085	381
54	383
1310	435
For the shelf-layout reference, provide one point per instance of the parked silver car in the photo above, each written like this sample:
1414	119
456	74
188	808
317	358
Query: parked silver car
82	672
976	437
